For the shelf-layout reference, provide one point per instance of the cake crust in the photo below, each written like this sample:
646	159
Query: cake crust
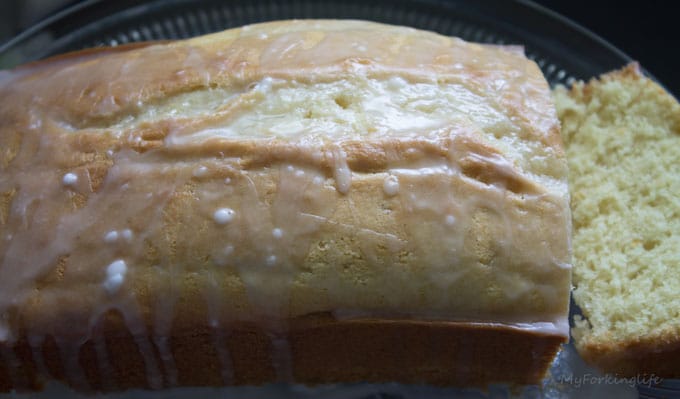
323	350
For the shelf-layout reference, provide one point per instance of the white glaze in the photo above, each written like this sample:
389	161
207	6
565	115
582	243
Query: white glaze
200	171
282	358
223	215
113	283
226	364
371	107
127	235
104	365
391	186
36	343
153	373
341	171
69	351
115	276
221	258
558	325
5	332
111	236
167	359
134	322
69	179
214	299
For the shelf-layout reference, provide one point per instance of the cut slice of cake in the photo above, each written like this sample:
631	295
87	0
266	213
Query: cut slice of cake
622	133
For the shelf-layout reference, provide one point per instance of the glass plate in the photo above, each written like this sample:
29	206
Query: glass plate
563	50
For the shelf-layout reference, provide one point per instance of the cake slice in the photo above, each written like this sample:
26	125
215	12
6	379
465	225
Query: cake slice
622	134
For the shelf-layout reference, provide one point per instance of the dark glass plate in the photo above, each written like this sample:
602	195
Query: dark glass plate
563	50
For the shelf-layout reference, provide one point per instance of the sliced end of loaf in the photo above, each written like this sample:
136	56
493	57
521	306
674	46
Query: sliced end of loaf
622	133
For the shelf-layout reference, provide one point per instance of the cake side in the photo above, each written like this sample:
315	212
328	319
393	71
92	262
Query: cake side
621	133
316	349
276	171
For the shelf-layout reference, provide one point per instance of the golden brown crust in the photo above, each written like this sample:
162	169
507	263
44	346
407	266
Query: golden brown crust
84	54
651	356
323	350
94	87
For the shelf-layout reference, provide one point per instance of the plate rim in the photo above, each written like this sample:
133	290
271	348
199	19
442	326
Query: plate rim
86	7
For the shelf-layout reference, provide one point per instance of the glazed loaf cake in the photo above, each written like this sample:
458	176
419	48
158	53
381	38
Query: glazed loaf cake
622	133
308	201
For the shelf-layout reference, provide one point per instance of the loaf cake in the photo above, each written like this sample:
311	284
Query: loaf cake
310	201
622	134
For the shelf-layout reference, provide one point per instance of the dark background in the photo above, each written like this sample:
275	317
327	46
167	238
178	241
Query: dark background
648	31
